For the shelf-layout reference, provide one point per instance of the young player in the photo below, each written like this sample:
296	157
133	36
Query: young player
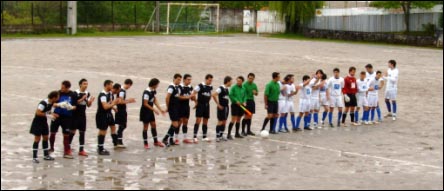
104	117
251	90
283	106
221	97
315	104
391	76
371	74
335	85
147	112
238	98
271	97
304	102
114	95
350	89
291	91
121	114
374	86
362	99
324	97
173	107
186	90
84	99
39	127
65	118
203	92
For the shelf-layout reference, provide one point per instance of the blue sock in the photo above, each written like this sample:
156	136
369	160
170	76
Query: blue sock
281	122
395	107
316	118
356	116
373	115
285	122
330	117
293	121
378	111
367	113
275	124
310	115
298	122
306	122
324	115
339	117
389	109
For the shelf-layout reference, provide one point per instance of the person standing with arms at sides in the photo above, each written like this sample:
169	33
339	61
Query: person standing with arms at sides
374	85
271	97
335	85
391	89
324	97
251	90
371	74
186	90
147	112
203	92
238	98
350	89
173	108
39	127
104	117
221	97
362	99
121	114
84	99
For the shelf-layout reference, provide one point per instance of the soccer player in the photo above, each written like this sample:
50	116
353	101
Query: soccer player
291	91
391	90
147	112
304	101
104	117
374	86
65	118
221	97
84	99
173	107
251	90
238	98
114	95
371	74
203	92
350	89
271	97
283	106
122	115
315	104
324	97
335	85
186	90
362	99
39	127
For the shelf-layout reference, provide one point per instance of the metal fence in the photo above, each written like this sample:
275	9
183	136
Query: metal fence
374	23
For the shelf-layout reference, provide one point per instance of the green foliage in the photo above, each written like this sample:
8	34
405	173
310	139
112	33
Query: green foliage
296	11
429	29
440	21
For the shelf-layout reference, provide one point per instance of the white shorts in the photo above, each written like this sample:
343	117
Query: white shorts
362	101
315	104
290	106
283	107
372	100
336	101
324	100
304	105
391	94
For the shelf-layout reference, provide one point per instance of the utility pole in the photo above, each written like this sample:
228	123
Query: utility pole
157	16
72	18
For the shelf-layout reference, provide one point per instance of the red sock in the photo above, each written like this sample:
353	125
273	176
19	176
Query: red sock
52	140
66	143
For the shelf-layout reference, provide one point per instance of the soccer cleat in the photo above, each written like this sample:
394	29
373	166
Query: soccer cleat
187	141
68	155
217	139
355	124
244	134
229	137
83	153
51	151
394	117
224	139
273	132
48	158
206	140
308	128
297	129
322	123
195	141
344	125
120	146
35	161
158	144
177	142
146	146
103	152
281	131
331	125
376	122
315	125
251	134
237	136
388	115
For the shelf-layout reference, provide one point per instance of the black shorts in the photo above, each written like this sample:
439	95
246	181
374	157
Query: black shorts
184	111
353	101
222	115
174	114
121	117
236	110
203	110
64	121
251	106
104	120
79	123
39	127
147	116
273	107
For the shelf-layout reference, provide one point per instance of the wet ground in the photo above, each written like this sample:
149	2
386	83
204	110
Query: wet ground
406	154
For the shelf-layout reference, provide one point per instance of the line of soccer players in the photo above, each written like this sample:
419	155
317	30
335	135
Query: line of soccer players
315	92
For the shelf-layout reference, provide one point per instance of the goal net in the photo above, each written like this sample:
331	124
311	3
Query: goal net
184	18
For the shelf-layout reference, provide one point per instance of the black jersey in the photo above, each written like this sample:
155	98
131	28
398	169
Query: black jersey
204	93
103	97
81	107
149	95
45	107
122	95
175	92
186	91
223	93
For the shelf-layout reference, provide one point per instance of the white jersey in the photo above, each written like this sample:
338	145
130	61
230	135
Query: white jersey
315	92
374	83
306	92
290	89
369	76
392	79
335	86
362	88
283	93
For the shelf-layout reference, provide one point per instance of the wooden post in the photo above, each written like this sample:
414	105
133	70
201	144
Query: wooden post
168	19
157	16
217	19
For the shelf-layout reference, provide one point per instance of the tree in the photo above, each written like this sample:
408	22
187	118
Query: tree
406	6
296	12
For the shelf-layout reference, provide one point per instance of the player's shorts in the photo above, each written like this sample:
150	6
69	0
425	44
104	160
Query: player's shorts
79	123
203	110
147	116
251	106
64	121
315	104
353	102
174	113
362	101
39	127
184	110
372	100
304	105
121	117
104	120
391	94
336	101
290	106
324	101
283	107
273	107
236	110
222	115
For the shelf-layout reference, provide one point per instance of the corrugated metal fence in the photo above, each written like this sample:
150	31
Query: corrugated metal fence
373	23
